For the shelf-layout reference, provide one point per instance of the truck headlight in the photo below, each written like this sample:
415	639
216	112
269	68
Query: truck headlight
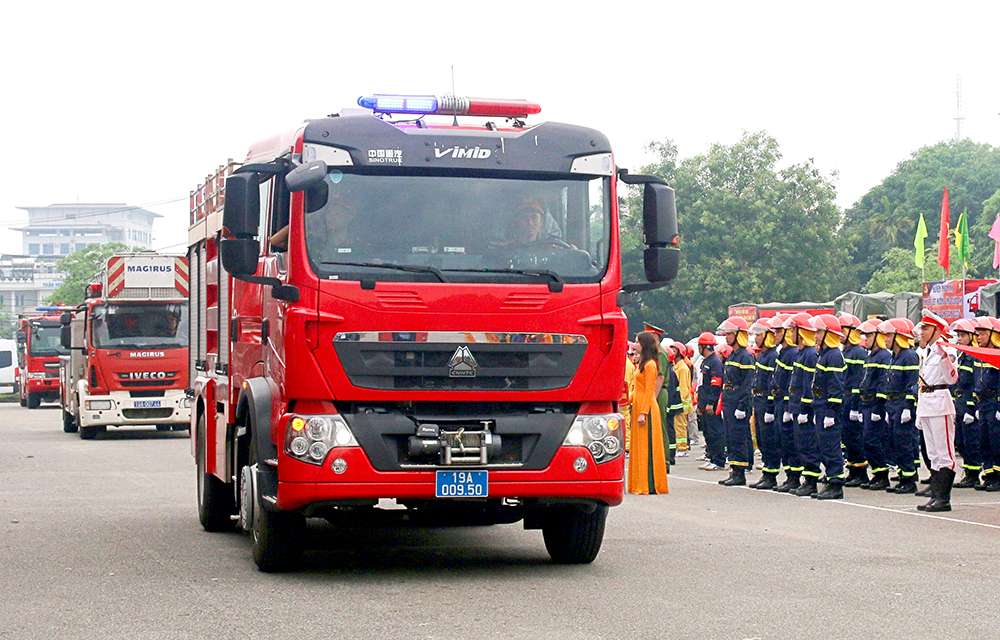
99	405
40	375
185	403
310	438
600	434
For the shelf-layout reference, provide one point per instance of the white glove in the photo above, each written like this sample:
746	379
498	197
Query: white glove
968	418
803	418
827	422
855	416
998	415
905	416
876	417
768	418
786	416
739	415
977	415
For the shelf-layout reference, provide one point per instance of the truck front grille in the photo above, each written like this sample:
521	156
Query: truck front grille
147	414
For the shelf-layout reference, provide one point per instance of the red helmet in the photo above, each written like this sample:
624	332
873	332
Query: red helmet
801	320
964	324
689	353
995	322
829	323
848	321
733	324
984	322
724	351
706	339
902	326
761	325
868	326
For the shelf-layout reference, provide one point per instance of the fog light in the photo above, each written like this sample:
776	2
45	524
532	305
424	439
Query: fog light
596	449
300	446
318	429
611	445
317	450
339	465
580	464
98	405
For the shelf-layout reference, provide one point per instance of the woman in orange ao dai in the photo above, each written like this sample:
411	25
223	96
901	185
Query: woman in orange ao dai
647	467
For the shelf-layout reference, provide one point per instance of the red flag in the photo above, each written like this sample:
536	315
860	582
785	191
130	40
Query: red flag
987	355
943	238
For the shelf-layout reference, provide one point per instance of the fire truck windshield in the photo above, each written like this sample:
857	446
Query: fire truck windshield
145	325
468	228
45	341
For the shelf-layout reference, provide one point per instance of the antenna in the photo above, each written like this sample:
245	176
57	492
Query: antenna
454	115
958	114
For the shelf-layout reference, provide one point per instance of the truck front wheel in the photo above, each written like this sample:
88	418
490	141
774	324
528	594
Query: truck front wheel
34	400
573	536
215	499
88	433
69	422
277	535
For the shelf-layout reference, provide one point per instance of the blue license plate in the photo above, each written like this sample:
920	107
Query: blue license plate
462	484
147	404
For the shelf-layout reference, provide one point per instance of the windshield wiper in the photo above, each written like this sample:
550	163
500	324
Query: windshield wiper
555	286
412	268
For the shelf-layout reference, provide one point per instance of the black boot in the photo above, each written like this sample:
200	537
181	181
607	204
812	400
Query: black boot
929	479
880	481
907	484
941	495
994	482
929	491
807	488
791	482
856	477
834	491
768	481
737	478
970	481
987	479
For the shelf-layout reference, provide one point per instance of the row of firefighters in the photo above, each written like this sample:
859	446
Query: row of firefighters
834	401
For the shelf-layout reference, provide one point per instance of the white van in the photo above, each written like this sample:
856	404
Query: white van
8	361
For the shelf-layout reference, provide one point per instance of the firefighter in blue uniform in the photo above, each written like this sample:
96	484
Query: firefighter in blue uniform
853	422
768	440
988	334
901	403
800	402
675	404
828	399
967	438
784	366
736	386
874	385
709	395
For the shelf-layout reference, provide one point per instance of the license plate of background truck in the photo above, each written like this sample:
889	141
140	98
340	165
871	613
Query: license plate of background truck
147	404
461	484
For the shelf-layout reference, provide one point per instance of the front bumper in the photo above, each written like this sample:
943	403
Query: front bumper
47	386
602	483
126	410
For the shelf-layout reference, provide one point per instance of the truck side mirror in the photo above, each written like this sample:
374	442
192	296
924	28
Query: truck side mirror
22	338
65	318
305	175
241	211
66	336
239	255
661	259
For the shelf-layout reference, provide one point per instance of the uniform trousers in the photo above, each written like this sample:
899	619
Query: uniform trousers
738	442
853	435
875	439
990	435
807	444
715	437
828	442
786	436
904	448
768	438
939	437
967	437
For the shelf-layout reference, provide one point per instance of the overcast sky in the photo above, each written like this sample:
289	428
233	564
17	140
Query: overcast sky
134	102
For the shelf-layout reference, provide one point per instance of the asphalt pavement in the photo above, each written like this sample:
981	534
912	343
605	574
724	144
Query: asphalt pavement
100	539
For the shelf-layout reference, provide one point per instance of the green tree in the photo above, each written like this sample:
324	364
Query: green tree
899	272
749	232
886	216
82	268
981	260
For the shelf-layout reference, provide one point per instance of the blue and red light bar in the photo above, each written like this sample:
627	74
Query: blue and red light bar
448	105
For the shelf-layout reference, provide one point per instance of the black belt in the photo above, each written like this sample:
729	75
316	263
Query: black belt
794	390
757	394
932	388
896	396
818	393
729	387
868	397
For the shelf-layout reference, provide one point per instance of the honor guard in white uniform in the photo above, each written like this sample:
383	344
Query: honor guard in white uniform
936	409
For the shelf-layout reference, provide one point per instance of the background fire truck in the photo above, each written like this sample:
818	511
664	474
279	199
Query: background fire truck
128	348
425	312
38	351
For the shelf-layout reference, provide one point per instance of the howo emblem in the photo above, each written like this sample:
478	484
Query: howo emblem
462	364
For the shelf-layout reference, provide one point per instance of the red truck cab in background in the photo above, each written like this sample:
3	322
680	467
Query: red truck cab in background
38	351
426	313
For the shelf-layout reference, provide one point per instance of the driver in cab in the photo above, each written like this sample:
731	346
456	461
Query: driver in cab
528	227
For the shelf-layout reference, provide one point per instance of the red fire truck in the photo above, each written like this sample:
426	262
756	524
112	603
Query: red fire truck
128	348
422	312
38	351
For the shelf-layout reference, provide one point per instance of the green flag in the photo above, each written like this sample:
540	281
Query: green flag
962	237
918	242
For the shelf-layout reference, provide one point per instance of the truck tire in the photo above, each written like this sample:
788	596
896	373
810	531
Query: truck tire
69	422
574	537
277	535
34	400
215	498
24	402
88	433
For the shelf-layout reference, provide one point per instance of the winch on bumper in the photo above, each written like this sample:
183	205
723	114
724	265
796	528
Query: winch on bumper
119	408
